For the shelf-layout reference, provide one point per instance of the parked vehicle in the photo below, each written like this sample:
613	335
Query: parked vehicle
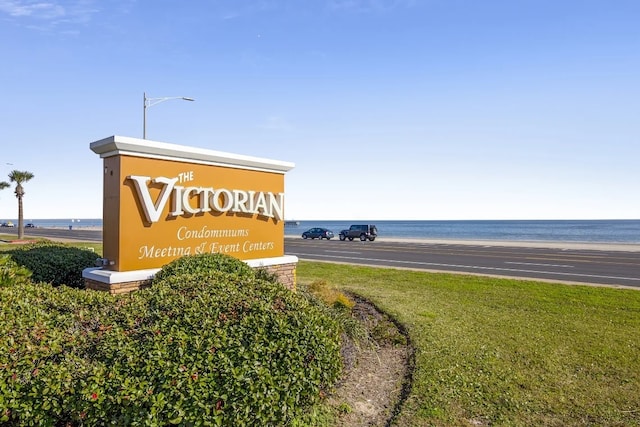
318	233
30	225
8	224
362	231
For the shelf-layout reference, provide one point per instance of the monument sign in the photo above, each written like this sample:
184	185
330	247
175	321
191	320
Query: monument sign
163	201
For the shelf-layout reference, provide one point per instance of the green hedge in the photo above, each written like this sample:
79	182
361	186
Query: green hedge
11	273
55	263
210	346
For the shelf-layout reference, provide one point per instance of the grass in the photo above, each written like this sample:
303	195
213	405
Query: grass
95	246
507	352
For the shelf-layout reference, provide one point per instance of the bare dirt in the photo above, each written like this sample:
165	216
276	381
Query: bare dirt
377	374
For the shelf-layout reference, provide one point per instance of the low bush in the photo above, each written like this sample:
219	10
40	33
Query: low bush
203	346
11	272
203	263
54	263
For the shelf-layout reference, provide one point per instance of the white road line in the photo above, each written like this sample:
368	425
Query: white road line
539	265
345	252
476	267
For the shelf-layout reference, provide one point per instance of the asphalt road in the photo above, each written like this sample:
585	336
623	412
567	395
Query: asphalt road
603	267
592	266
85	235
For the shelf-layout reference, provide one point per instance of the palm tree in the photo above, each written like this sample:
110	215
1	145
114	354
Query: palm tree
4	184
19	177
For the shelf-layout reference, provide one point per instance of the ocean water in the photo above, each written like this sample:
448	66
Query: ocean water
60	223
596	231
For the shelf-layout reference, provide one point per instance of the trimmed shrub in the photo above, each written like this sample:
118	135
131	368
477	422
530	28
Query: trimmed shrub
205	347
54	263
203	263
264	274
11	272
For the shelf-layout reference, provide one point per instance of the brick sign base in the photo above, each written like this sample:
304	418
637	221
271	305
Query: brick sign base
113	282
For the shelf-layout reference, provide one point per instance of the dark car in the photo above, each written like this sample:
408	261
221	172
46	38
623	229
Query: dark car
317	233
30	225
363	232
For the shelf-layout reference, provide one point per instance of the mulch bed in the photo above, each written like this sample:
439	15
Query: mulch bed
377	375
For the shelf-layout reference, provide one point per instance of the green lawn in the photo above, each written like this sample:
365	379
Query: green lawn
4	237
507	352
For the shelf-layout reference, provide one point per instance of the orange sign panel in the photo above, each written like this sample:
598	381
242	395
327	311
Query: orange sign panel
159	208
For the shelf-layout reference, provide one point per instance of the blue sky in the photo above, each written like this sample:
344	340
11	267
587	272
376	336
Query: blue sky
390	109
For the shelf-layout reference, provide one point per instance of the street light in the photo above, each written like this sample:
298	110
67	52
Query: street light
150	102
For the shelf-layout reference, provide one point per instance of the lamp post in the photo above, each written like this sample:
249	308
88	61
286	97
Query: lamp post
150	102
